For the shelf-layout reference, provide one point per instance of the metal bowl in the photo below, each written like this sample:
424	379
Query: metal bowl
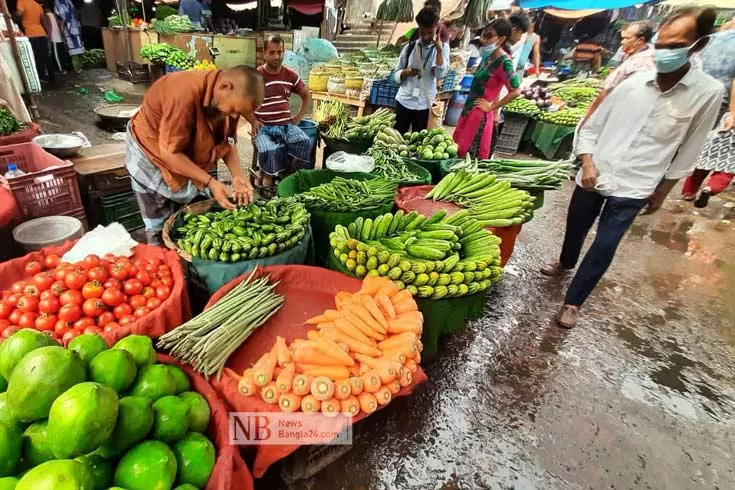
61	145
116	112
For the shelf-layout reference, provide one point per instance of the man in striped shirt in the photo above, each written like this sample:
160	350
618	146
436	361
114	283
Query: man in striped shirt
278	138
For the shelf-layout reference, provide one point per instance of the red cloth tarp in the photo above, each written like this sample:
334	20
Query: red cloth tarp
308	292
307	7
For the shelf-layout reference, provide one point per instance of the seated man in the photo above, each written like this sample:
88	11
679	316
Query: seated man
278	137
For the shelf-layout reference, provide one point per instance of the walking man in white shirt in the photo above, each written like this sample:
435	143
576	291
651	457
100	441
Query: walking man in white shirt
643	138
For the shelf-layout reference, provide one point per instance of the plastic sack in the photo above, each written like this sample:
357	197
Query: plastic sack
308	292
297	63
317	49
173	311
348	162
230	471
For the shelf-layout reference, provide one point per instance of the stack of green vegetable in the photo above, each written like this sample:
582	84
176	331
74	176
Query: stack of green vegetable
578	82
493	203
8	123
332	117
443	256
564	117
344	195
390	165
260	229
207	340
166	54
527	174
576	95
431	144
173	24
522	106
88	417
93	58
366	128
391	138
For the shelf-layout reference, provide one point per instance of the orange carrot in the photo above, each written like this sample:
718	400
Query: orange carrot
371	382
327	316
330	348
379	363
350	329
337	373
331	407
386	307
341	299
368	403
363	314
342	390
402	326
383	396
419	346
372	308
362	327
283	356
389	289
364	368
325	325
411	366
322	388
353	345
404	306
406	377
414	316
246	385
371	285
232	374
263	370
394	387
350	406
355	385
394	355
301	384
308	353
309	404
269	394
285	379
354	370
288	402
398	339
400	296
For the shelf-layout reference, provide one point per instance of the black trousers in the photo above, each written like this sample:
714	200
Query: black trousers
44	61
409	120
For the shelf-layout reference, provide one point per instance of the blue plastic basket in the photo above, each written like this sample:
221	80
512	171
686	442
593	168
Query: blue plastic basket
384	93
449	82
172	69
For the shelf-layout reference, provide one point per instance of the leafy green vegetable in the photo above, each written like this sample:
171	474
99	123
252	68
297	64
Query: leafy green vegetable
8	123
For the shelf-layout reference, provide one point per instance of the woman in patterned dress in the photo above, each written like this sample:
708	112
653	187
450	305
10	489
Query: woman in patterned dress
474	130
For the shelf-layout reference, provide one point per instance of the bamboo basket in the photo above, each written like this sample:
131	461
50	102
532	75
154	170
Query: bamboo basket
200	207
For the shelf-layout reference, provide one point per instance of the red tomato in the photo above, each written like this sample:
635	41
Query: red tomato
132	286
112	297
75	279
83	323
93	307
32	268
18	287
14	317
12	300
149	292
28	303
5	309
28	319
97	274
156	262
8	331
163	292
155	283
32	289
127	319
43	280
51	261
144	278
150	269
45	322
4	324
105	318
153	303
167	281
6	293
61	326
68	336
137	301
71	296
96	330
49	305
120	270
122	310
46	294
112	326
164	271
141	312
70	312
60	273
113	283
92	290
140	263
91	261
58	287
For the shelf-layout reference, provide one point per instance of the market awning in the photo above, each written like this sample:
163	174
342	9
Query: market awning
572	14
584	4
307	7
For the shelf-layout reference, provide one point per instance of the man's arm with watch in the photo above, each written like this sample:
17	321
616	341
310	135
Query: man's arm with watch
182	165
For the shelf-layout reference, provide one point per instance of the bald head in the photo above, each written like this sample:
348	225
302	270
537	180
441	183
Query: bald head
685	27
239	91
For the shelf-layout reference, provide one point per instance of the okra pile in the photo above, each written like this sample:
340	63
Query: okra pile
492	202
439	257
260	229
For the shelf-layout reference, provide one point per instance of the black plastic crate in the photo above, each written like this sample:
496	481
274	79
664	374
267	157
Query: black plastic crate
512	134
384	93
123	208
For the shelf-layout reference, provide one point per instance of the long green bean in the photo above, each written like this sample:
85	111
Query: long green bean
349	194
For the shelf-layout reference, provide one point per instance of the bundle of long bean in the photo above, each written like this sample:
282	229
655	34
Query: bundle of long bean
332	116
349	195
526	174
390	165
207	340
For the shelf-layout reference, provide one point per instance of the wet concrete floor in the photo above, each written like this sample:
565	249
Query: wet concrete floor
641	395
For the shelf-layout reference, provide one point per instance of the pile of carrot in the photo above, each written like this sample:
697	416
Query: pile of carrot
358	356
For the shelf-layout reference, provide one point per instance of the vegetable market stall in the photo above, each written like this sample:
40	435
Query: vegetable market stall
114	45
548	138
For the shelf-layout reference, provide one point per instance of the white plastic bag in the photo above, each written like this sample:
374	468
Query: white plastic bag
113	238
342	161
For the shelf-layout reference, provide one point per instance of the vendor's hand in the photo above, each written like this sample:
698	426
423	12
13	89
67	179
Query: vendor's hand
590	174
296	120
484	105
728	122
220	194
242	190
408	73
255	127
655	202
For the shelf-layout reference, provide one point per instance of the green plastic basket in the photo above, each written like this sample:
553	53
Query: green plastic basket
433	166
123	208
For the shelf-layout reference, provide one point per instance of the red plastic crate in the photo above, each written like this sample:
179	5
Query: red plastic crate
49	187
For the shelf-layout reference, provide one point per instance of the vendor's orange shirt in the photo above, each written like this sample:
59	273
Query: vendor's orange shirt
173	119
30	16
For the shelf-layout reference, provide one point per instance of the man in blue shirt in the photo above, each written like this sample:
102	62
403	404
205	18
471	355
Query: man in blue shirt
421	64
193	10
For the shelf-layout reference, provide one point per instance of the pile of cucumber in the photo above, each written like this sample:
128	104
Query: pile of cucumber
439	257
260	229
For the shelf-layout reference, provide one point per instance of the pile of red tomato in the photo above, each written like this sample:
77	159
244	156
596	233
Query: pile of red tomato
91	296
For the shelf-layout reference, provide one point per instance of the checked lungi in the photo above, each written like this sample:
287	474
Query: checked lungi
276	143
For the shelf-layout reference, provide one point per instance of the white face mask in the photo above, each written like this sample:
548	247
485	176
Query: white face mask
489	49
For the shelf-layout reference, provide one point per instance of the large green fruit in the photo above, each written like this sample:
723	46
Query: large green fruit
195	456
39	379
3	384
151	465
60	474
154	382
134	422
8	483
182	380
199	412
6	415
115	368
35	445
170	419
18	345
11	445
87	346
82	419
102	470
141	347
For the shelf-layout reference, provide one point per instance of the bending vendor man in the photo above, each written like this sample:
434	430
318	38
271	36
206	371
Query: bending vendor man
186	123
278	137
